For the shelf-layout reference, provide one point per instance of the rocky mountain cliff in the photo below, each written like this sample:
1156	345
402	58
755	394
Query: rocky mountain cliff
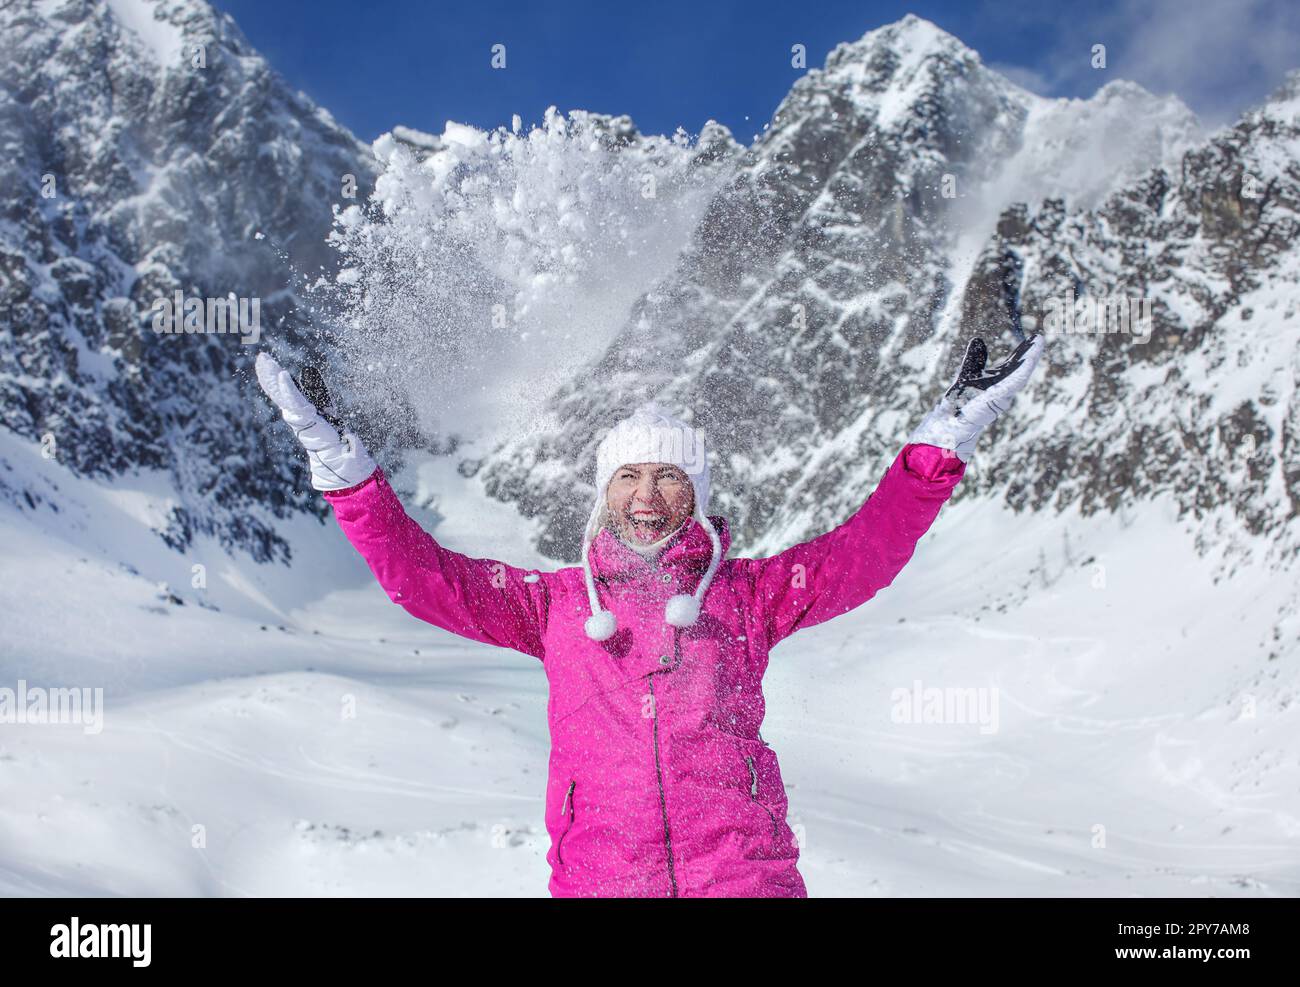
1205	407
826	296
151	151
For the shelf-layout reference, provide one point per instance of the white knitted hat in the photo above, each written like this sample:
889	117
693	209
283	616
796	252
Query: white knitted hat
651	435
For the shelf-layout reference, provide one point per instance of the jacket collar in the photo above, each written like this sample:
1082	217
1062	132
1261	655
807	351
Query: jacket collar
688	551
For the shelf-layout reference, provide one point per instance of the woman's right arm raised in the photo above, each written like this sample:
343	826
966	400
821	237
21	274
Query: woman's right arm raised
481	599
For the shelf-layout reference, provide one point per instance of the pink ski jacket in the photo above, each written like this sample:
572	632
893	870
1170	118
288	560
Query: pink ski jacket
659	784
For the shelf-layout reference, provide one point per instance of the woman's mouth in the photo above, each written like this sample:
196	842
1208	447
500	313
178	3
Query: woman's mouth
648	527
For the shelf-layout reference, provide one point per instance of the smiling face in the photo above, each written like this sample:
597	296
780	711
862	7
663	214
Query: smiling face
648	500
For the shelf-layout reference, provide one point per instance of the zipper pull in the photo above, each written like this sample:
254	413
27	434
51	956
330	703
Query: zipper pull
567	795
753	776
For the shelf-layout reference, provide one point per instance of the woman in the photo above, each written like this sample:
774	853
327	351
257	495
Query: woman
655	647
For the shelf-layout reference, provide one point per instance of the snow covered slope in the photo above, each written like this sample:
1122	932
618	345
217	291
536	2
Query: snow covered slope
294	733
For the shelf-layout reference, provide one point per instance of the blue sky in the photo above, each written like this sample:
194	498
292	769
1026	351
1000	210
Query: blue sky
670	64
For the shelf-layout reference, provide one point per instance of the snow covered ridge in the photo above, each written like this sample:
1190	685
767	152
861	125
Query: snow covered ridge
155	154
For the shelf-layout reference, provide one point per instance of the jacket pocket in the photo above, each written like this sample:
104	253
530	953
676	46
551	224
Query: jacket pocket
565	810
755	796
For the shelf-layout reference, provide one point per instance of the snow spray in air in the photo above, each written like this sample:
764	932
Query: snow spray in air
489	267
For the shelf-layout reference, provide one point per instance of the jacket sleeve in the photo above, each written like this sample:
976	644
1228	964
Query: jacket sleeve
843	568
481	599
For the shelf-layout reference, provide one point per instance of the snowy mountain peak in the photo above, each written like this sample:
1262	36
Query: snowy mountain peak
903	47
888	77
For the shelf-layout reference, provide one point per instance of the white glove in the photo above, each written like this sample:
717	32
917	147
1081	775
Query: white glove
977	397
336	462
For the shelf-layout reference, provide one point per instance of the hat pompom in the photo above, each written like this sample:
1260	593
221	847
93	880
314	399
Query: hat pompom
682	610
601	625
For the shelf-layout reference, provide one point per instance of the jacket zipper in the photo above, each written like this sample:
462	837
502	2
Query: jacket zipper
659	777
568	804
753	793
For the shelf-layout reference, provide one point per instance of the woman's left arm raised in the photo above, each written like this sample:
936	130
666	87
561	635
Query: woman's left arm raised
843	568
